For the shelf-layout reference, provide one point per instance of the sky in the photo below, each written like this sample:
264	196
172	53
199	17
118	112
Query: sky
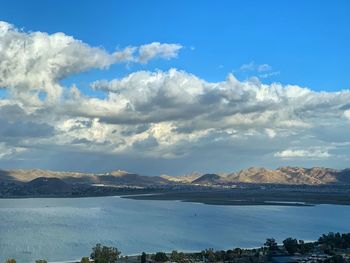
172	87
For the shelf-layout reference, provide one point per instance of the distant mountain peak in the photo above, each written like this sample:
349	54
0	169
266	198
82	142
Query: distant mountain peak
256	175
208	179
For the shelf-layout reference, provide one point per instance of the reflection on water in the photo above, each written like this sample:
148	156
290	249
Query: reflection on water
60	229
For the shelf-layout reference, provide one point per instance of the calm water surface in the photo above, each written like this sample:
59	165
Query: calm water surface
61	229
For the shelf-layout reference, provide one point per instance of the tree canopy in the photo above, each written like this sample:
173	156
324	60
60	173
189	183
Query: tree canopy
143	257
177	256
271	244
291	245
160	257
104	254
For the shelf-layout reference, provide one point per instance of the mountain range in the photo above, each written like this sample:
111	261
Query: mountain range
253	175
282	175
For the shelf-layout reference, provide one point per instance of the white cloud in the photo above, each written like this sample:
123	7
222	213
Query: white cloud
5	27
164	114
347	114
179	110
36	62
310	154
252	66
126	55
145	53
157	114
271	133
263	71
176	95
156	49
7	151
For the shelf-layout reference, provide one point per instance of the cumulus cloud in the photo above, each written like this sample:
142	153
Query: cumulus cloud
175	114
34	62
180	111
179	96
170	115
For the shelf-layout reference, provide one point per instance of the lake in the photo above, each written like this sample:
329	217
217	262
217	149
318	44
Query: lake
62	228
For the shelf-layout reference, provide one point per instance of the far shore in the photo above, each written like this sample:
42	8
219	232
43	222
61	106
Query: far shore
227	198
248	198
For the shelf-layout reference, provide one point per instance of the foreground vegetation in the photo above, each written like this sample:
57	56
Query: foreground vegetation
329	248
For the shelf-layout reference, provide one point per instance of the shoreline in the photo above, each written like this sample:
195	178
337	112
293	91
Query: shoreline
139	197
273	196
160	197
246	198
130	257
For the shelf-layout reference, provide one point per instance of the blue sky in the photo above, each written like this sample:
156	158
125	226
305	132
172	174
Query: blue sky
307	42
174	86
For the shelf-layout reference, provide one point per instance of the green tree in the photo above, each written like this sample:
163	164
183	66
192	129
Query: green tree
11	260
103	254
177	256
160	257
209	254
333	241
220	255
291	245
143	257
230	255
271	244
305	248
238	251
40	261
85	260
